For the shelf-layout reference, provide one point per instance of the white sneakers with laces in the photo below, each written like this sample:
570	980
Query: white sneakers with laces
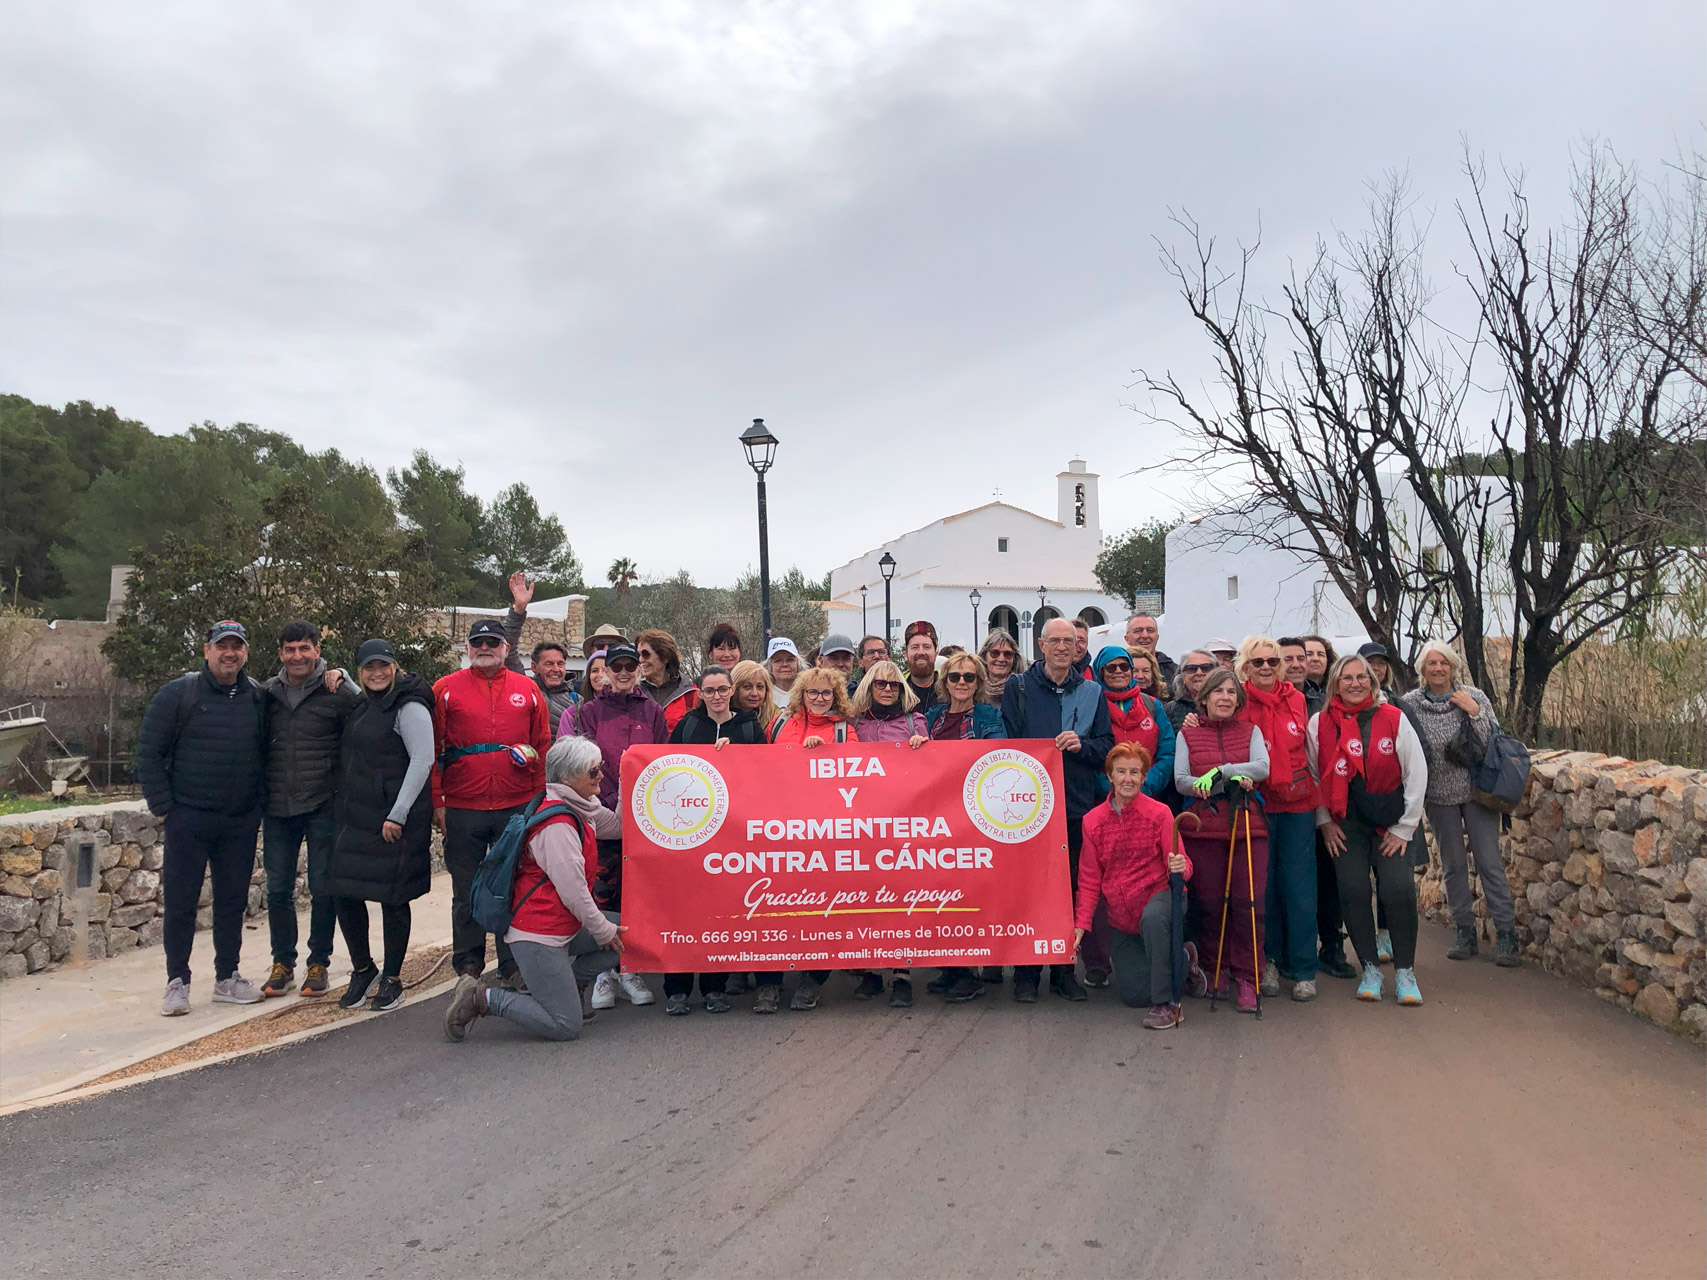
604	990
633	988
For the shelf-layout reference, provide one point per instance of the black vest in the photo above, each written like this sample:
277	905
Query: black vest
371	763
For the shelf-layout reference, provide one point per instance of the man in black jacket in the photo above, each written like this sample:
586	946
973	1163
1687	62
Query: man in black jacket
199	759
305	722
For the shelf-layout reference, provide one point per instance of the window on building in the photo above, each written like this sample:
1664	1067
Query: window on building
1001	544
1431	557
1233	587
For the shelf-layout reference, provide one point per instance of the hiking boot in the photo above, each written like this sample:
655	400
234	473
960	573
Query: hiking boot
1025	988
1271	979
677	1005
1464	945
1505	950
1370	987
968	986
279	981
716	1002
767	999
467	1003
1332	962
317	982
869	987
1162	1017
1246	1000
356	992
387	995
1196	981
1096	977
1065	983
805	996
236	990
1383	947
176	1002
513	981
1304	990
632	987
1405	986
991	973
604	990
944	979
901	993
470	968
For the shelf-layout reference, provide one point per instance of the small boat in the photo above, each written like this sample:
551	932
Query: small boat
18	727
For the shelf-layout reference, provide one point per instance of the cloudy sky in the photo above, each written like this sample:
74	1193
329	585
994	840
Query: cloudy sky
584	244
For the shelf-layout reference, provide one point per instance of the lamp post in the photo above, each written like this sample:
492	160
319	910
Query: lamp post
863	627
886	566
760	445
1042	599
976	598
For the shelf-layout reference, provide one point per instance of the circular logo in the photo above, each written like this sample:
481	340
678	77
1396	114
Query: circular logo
1342	768
1293	729
1354	746
1146	724
518	699
680	801
1384	746
1008	795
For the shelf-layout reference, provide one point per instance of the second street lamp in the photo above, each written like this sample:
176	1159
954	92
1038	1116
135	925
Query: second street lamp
976	598
760	445
863	625
886	567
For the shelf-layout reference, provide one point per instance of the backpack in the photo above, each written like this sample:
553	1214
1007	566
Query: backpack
495	879
1500	783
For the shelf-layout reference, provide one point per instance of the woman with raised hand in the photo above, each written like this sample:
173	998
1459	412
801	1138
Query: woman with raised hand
1457	722
1372	773
558	934
1000	656
383	819
883	709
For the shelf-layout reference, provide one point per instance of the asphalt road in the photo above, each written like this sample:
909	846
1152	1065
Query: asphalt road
1512	1126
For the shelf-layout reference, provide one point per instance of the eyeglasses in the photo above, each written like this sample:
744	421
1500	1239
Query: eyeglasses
820	693
873	653
717	693
484	642
1193	668
891	685
1262	662
1354	679
961	677
624	665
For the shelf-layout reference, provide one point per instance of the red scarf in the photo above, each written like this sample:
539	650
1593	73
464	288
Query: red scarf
1280	714
1132	716
1339	752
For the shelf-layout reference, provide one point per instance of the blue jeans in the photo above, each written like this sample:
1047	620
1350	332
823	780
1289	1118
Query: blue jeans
280	840
1290	906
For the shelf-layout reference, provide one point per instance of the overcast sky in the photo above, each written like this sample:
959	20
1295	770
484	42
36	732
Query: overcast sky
584	245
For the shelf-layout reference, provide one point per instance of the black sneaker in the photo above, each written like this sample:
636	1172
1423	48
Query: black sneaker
1464	946
805	996
1505	953
991	973
716	1002
677	1006
869	987
1025	988
966	987
901	993
356	992
387	995
767	999
738	984
1333	962
1096	977
469	969
945	979
1065	983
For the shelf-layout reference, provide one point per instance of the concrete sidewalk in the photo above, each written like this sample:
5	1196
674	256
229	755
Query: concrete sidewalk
64	1027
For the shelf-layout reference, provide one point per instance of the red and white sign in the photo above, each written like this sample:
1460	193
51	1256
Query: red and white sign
844	857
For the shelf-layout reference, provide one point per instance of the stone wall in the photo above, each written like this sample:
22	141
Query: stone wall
1608	865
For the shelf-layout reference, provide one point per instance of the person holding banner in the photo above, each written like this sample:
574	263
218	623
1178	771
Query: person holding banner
1125	861
716	722
884	709
754	692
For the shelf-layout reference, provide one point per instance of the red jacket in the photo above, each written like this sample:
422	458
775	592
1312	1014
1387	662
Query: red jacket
470	710
1281	716
797	728
543	911
1124	859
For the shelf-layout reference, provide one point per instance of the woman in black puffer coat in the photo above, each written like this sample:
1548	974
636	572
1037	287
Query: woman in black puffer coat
383	815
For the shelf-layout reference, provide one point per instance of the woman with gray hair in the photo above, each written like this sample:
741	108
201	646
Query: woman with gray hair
560	938
1457	721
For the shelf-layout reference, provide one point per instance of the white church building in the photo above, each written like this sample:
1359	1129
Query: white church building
1025	569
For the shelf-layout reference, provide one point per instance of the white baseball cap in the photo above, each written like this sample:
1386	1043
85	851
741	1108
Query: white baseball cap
780	644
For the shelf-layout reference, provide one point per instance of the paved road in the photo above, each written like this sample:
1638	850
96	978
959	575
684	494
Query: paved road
1510	1127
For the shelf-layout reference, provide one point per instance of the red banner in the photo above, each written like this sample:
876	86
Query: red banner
844	857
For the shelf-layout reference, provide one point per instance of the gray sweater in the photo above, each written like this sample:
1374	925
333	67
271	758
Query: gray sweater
1448	783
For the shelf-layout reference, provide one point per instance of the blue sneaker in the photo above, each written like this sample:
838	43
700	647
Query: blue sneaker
1405	984
1370	987
1383	947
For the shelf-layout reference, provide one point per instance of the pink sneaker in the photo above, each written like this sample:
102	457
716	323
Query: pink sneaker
1162	1017
1247	1001
1196	981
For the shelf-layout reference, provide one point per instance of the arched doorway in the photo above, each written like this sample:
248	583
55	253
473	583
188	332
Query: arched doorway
1042	616
1003	618
1092	616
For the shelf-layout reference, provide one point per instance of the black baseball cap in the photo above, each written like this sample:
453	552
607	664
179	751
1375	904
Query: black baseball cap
225	627
1374	650
487	627
375	651
623	652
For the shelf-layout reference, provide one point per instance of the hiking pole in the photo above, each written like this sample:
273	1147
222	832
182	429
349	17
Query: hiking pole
1251	879
1176	895
1226	901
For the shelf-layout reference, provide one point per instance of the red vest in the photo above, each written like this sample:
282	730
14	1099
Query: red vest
1341	757
1137	723
1214	742
544	912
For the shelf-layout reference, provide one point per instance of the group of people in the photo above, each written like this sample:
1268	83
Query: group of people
1283	785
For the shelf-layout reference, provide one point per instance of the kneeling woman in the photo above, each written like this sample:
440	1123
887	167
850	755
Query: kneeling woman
384	812
1126	861
560	938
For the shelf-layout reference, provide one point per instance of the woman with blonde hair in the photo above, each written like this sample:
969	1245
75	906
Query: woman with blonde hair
1457	721
818	711
885	709
754	692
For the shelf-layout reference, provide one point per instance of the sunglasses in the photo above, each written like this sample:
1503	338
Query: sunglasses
624	665
647	653
1118	668
1195	667
484	642
961	677
1262	662
891	685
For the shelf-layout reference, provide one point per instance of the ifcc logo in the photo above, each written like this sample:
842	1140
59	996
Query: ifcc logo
680	801
1008	795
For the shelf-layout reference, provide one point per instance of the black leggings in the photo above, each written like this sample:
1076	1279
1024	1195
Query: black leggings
1395	886
395	919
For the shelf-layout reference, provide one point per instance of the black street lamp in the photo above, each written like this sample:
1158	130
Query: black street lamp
863	627
976	598
760	445
1042	599
886	566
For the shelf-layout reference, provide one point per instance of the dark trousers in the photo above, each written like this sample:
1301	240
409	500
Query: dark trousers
1096	957
469	833
199	843
1330	924
396	919
1395	886
1143	961
280	840
681	984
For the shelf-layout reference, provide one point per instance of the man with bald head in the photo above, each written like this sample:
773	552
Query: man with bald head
1052	701
1144	632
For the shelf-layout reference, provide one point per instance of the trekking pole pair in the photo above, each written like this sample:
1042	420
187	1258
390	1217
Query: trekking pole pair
1239	803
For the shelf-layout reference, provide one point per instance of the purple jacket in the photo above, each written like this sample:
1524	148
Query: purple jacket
895	729
617	721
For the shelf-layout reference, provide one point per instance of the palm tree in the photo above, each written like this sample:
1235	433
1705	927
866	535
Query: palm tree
622	575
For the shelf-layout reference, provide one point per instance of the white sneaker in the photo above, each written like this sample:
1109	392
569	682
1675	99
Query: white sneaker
176	1002
604	990
236	990
633	987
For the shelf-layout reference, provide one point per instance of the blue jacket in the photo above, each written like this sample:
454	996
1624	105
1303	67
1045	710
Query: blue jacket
986	720
1034	706
1159	782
